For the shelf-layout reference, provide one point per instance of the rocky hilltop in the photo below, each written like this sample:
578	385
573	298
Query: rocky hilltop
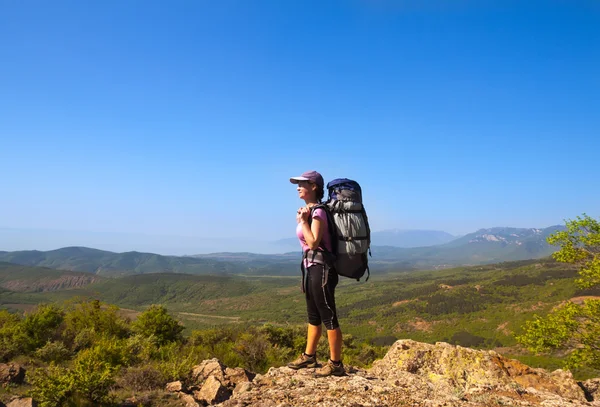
411	374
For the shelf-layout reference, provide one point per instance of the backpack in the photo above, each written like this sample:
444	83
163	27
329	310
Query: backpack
349	227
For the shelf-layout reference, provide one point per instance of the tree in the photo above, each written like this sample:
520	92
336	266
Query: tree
571	327
155	321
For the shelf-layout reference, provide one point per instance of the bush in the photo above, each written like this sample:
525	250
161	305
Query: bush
142	378
155	321
13	339
51	387
53	352
86	321
42	325
252	348
570	327
92	376
175	362
141	348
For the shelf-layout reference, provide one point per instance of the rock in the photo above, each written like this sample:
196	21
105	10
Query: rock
242	387
412	374
211	367
591	387
237	375
22	402
212	391
11	373
174	386
456	369
188	400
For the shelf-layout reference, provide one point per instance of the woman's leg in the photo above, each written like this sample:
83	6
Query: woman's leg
312	338
334	336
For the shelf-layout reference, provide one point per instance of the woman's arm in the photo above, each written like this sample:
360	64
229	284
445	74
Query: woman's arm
313	233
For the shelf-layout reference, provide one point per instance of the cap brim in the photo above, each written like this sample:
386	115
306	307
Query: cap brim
295	180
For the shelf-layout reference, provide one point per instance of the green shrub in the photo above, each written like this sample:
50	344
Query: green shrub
211	337
92	376
42	325
142	378
13	339
87	321
252	348
114	352
141	348
53	352
51	387
155	321
175	361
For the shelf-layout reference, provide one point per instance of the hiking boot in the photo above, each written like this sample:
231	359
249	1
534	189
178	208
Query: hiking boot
303	361
330	369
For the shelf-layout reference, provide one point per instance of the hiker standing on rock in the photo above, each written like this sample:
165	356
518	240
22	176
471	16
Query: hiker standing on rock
319	279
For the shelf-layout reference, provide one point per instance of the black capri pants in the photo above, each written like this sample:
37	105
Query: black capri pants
320	296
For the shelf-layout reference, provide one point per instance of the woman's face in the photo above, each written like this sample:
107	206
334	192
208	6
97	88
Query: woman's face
306	189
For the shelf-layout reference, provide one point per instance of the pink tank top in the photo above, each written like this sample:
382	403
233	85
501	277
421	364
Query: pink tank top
325	243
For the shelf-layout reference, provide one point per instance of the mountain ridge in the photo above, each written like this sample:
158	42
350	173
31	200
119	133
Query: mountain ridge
488	245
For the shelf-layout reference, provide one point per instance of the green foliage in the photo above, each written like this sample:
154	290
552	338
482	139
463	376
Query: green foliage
252	348
13	339
52	386
155	321
572	327
141	349
41	325
53	352
92	376
175	361
142	378
86	320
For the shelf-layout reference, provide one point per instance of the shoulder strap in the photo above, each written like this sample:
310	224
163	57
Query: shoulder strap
330	225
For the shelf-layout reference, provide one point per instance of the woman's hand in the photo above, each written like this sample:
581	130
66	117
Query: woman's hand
302	214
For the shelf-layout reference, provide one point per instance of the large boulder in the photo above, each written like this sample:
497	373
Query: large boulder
471	371
210	367
11	373
212	391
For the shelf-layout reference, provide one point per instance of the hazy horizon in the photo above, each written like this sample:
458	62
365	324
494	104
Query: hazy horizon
12	239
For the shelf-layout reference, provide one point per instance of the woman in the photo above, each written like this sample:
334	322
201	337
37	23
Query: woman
320	280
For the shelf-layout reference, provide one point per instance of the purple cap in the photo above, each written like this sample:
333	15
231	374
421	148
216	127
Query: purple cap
311	176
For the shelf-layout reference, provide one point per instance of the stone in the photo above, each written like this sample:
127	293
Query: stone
212	391
210	367
11	373
174	386
237	375
591	387
453	367
188	400
242	387
23	402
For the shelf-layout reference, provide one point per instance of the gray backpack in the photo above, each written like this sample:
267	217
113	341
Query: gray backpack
349	227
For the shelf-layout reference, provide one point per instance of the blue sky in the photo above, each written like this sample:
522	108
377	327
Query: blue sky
180	122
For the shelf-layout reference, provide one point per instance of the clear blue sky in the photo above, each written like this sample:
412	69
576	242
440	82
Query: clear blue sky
186	118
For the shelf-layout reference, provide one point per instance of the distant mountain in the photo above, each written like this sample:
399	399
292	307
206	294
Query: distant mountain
484	246
410	238
106	263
